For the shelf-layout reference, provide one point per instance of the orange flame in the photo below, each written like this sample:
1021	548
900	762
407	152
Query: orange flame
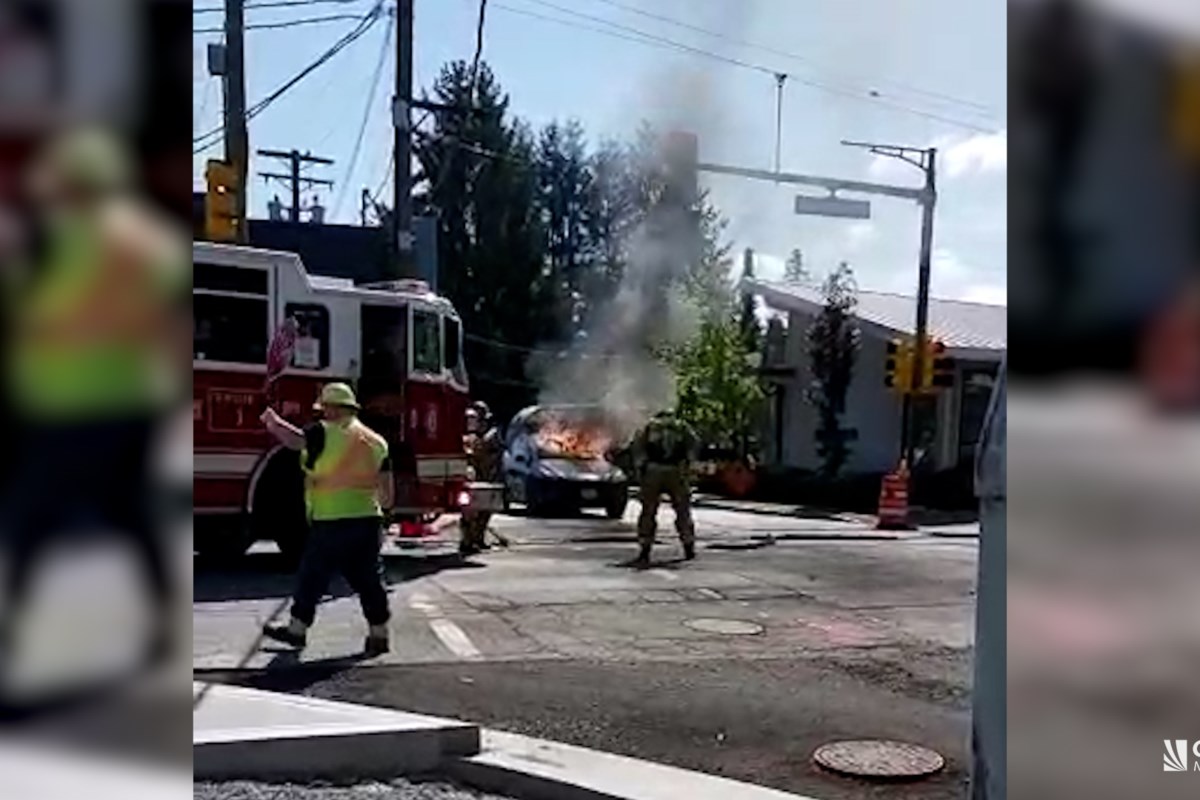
556	437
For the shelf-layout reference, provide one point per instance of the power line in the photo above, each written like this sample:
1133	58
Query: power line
642	37
362	129
291	23
354	35
978	107
276	4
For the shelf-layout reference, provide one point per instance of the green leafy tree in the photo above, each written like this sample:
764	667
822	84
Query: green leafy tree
833	344
720	395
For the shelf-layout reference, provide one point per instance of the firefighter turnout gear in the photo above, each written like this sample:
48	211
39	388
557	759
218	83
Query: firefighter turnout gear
664	451
484	450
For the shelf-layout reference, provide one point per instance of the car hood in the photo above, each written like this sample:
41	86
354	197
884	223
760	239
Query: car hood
578	470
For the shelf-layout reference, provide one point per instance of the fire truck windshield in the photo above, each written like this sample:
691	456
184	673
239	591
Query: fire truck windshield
384	348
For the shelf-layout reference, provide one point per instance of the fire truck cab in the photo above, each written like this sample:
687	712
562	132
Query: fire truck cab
397	342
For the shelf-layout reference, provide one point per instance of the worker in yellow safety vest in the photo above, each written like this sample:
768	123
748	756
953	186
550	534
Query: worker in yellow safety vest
96	301
347	489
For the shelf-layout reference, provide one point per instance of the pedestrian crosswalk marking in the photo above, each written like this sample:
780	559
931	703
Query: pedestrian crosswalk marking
455	639
448	633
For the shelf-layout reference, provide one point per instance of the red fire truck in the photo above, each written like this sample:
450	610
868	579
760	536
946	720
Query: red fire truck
397	342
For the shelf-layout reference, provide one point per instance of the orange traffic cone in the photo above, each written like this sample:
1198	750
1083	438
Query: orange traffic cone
893	500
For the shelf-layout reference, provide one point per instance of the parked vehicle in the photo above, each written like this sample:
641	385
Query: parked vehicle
561	457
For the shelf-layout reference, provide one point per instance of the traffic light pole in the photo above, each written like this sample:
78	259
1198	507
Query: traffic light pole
237	140
926	161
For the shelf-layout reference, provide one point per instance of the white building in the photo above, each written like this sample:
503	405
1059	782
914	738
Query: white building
975	336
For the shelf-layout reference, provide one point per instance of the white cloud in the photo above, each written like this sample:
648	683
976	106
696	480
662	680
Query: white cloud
957	157
986	293
985	152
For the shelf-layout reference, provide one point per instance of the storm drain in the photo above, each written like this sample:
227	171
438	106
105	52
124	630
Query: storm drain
878	758
726	627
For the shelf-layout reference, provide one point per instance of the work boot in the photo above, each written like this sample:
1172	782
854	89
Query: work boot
689	551
287	634
643	558
377	642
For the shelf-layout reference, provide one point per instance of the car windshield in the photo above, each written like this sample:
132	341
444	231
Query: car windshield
571	433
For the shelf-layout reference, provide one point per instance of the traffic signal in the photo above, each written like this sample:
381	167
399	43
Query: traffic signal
221	201
898	366
937	368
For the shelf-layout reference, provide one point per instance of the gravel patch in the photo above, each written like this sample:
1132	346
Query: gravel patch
392	790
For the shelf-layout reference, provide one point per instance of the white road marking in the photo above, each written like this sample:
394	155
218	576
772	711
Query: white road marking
449	634
455	639
711	594
665	573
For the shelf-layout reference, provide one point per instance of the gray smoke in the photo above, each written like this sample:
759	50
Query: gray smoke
613	363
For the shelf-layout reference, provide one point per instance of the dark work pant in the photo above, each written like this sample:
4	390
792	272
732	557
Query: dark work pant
75	480
346	546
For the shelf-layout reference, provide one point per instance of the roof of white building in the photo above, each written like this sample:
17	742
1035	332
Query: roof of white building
959	324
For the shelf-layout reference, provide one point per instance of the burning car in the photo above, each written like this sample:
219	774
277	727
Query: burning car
561	457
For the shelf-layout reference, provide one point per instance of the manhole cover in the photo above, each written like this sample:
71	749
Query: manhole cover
879	758
729	627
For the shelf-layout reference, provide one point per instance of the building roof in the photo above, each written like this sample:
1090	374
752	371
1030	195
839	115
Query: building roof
959	324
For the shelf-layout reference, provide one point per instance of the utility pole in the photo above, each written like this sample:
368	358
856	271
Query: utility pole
295	158
780	79
237	141
924	159
401	233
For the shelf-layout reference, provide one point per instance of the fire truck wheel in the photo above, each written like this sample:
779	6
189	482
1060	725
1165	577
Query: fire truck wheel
278	511
218	540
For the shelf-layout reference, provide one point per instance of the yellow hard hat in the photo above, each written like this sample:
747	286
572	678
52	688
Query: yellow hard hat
337	394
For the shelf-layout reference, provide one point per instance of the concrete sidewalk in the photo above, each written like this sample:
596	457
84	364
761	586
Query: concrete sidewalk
931	521
256	735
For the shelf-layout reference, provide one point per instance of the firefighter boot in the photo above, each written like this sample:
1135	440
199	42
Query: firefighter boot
689	551
643	559
378	642
295	633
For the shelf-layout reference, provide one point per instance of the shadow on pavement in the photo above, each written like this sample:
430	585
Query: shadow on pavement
269	576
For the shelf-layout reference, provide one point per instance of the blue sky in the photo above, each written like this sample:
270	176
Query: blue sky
943	58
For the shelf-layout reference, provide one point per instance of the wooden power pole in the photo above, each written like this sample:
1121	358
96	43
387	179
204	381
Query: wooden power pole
295	159
237	140
402	233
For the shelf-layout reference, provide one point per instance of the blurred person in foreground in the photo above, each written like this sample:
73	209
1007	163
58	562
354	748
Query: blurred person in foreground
96	304
347	488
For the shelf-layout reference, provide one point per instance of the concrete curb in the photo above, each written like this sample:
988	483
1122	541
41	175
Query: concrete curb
243	733
535	769
249	734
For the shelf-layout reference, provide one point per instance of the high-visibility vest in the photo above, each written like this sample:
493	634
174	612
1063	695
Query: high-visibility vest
343	481
76	351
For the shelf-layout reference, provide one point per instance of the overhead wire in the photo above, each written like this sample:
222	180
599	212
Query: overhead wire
975	105
289	23
207	140
275	4
629	33
362	129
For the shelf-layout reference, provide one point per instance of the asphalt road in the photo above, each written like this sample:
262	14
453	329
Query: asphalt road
394	790
786	633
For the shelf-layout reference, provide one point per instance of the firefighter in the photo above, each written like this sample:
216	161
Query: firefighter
484	450
664	450
348	487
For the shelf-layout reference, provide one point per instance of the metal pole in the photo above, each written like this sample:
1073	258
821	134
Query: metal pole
780	78
928	201
295	164
237	141
402	238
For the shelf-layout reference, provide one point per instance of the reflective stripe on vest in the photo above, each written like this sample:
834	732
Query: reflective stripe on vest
344	479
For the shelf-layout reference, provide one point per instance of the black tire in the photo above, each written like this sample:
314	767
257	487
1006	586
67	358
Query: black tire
535	504
616	505
278	512
220	540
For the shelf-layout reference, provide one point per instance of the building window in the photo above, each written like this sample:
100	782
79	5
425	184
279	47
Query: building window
229	328
427	343
312	339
